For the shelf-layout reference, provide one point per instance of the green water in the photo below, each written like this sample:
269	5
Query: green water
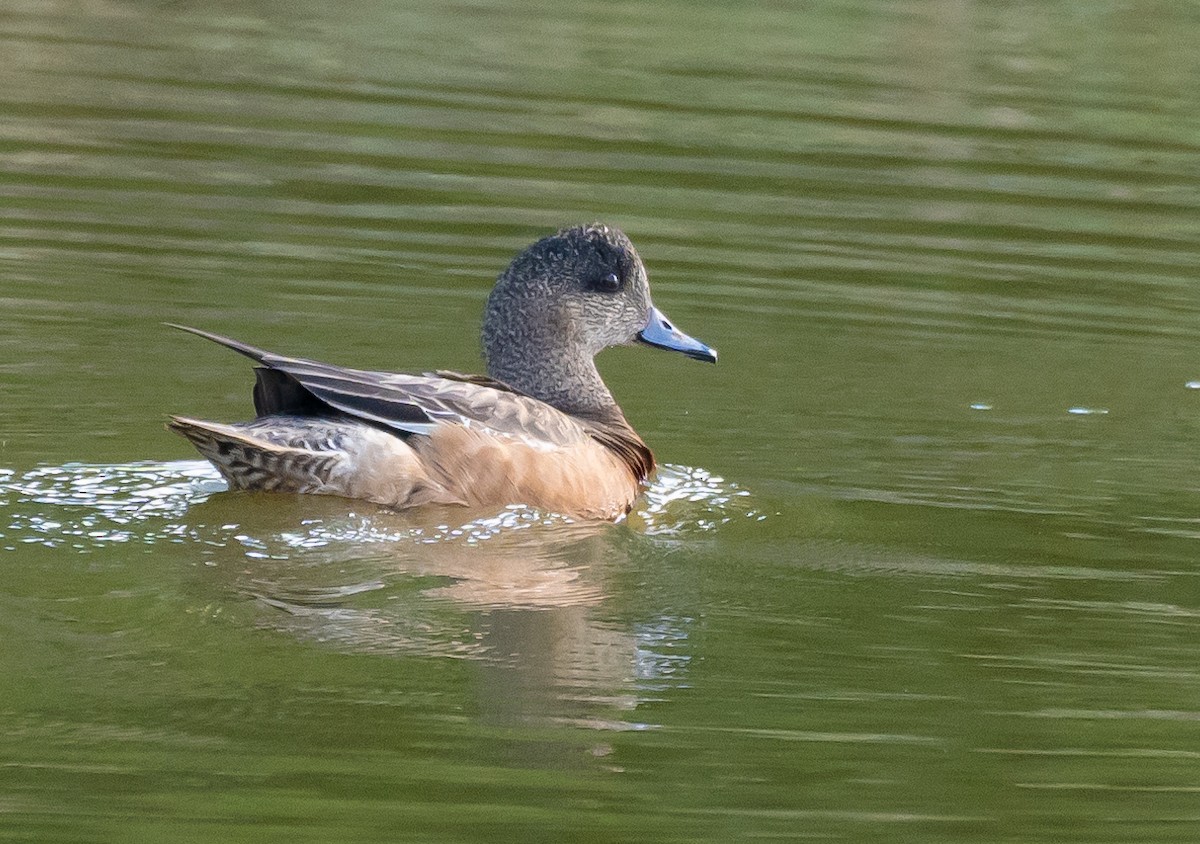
921	564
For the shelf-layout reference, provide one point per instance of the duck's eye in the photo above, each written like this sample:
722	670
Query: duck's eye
610	283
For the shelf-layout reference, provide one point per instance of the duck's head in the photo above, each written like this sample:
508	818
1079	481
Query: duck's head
562	301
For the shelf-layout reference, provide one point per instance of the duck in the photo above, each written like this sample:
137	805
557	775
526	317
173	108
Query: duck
540	429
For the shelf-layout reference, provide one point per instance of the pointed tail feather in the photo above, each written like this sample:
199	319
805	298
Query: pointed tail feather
253	352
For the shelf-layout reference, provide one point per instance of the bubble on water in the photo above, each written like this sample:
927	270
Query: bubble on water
1087	411
980	406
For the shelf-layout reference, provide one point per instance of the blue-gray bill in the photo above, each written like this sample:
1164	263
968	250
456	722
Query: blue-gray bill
661	333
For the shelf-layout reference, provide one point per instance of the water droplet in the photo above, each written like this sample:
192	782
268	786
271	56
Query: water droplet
980	406
1087	411
1193	385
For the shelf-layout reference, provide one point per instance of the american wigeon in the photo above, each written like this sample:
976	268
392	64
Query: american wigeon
539	429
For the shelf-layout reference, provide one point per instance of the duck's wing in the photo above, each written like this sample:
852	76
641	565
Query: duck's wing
406	404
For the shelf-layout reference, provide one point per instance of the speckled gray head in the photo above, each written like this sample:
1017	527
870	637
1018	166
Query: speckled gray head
562	301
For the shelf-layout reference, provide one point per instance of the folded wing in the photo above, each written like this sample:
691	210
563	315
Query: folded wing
408	405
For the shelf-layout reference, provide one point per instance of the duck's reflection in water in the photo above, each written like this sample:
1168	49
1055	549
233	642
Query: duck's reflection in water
522	597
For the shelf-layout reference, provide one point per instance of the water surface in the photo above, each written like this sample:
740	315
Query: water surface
920	564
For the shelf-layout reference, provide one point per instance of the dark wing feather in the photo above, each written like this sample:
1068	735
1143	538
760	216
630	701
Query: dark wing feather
407	404
279	394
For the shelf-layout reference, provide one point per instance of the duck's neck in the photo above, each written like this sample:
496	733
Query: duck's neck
566	379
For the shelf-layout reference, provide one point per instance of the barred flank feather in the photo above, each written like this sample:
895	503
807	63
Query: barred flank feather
252	463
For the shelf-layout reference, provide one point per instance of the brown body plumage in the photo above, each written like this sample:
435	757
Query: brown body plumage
540	429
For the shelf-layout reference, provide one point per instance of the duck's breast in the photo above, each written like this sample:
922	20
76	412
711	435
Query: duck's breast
578	478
